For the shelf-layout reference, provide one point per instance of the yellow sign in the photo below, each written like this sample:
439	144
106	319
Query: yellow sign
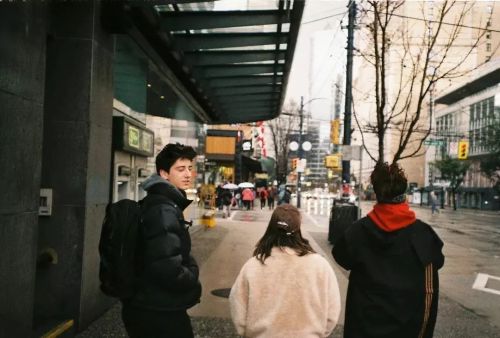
332	161
334	131
463	150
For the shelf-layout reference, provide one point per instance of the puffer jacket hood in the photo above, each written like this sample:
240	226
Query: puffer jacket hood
155	184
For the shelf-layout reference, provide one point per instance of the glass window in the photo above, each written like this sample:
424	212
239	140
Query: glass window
491	107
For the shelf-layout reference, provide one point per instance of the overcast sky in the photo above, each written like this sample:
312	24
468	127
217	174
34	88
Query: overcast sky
332	11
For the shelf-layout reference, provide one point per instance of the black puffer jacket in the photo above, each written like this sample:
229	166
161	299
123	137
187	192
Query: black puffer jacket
168	278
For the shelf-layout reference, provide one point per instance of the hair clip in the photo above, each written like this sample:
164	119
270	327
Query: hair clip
283	223
289	233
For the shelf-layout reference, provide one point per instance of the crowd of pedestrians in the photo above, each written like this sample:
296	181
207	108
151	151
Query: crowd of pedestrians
286	289
244	198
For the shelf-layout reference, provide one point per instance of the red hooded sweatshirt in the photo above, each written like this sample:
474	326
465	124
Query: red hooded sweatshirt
392	217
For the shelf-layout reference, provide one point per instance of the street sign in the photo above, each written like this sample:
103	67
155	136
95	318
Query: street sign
332	161
351	153
453	149
434	142
301	165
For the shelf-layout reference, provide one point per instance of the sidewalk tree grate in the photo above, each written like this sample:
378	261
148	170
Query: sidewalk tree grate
224	293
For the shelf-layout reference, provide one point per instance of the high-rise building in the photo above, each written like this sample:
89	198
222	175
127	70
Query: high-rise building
412	22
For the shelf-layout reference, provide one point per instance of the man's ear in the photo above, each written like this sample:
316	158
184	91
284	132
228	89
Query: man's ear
164	174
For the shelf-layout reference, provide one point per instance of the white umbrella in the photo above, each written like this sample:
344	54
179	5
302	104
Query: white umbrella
230	186
246	185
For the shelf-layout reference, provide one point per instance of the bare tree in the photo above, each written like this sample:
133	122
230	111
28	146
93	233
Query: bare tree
409	57
281	129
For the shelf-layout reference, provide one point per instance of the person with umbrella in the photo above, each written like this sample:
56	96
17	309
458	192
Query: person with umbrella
247	197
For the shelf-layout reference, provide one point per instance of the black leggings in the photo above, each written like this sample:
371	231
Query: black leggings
142	323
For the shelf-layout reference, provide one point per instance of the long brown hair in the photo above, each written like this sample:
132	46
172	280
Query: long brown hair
283	230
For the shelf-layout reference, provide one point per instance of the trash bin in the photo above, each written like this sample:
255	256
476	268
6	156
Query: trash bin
341	216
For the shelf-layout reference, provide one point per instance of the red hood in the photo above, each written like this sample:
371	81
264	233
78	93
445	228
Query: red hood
392	217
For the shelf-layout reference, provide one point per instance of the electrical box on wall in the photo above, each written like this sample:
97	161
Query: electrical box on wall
45	204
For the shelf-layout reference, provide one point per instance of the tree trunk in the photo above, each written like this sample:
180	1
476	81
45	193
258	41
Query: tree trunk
453	196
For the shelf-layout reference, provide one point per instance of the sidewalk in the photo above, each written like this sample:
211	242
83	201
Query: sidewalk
221	252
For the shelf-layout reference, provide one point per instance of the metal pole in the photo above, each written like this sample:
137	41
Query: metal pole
299	173
346	165
359	180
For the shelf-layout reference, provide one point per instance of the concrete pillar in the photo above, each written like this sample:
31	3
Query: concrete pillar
22	72
76	161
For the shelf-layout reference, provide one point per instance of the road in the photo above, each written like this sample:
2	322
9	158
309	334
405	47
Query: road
472	247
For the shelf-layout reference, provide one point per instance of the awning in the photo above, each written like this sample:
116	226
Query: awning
471	88
220	66
251	164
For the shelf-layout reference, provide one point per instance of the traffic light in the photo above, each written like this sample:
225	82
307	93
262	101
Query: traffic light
463	150
334	131
294	163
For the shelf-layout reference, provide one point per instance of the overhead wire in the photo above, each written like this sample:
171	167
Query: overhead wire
328	55
324	18
442	23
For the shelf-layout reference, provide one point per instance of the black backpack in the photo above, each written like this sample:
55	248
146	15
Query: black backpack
117	247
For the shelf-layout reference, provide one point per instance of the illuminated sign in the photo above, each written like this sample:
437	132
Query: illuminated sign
246	145
131	137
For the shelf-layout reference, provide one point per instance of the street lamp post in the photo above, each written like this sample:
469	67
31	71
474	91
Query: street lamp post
299	172
300	150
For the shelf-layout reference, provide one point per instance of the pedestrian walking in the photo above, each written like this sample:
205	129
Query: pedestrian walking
285	289
218	199
227	199
394	260
284	196
254	196
433	203
271	197
239	201
263	198
167	284
247	196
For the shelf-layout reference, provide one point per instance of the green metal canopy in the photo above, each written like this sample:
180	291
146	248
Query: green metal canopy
215	64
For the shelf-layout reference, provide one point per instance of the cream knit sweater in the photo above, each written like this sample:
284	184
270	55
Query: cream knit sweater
290	296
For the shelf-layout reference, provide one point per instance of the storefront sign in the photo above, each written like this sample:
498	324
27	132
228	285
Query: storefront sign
131	137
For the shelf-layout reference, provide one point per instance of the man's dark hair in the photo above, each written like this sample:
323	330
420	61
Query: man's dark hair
389	181
171	153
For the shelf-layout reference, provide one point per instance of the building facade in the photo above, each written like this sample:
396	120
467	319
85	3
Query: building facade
466	114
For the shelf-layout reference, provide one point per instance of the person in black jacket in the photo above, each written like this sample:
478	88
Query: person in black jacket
394	261
167	284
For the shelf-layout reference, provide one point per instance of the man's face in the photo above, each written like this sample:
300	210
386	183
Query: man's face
180	173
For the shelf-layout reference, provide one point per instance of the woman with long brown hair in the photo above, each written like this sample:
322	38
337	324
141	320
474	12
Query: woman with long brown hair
285	289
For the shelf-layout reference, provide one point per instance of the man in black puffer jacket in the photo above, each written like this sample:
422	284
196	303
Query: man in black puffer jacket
167	283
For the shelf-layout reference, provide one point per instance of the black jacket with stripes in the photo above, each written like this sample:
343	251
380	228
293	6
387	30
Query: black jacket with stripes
393	283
